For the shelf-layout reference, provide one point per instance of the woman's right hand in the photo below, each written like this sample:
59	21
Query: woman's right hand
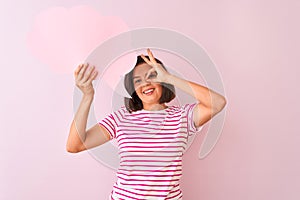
84	75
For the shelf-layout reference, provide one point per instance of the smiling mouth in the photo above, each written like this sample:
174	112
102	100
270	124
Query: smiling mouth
149	91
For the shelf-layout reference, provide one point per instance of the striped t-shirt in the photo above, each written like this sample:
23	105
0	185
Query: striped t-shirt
151	145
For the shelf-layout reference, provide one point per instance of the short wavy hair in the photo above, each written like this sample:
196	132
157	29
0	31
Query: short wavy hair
135	103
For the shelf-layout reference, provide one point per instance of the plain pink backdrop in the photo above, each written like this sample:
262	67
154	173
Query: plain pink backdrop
255	45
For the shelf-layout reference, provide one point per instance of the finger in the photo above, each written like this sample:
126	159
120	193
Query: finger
146	59
82	71
78	69
88	73
151	56
92	77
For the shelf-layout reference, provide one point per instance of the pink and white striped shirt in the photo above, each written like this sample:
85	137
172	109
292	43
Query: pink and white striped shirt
151	145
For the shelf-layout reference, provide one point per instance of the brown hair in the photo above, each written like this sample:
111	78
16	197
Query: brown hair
135	103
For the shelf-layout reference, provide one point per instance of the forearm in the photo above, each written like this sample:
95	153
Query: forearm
77	132
204	95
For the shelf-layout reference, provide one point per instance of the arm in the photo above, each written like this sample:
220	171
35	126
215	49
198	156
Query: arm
79	139
210	102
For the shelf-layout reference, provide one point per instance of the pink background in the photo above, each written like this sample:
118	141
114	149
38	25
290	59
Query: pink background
254	44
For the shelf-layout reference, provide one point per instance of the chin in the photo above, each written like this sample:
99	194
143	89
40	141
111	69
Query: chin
149	100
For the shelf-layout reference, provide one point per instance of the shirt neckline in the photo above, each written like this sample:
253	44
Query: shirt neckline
153	111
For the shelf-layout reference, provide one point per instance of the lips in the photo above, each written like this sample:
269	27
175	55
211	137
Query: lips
148	91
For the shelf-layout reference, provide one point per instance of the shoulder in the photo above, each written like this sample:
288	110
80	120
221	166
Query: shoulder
123	113
183	108
189	106
120	111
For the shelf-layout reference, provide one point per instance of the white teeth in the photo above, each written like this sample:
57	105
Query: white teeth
148	91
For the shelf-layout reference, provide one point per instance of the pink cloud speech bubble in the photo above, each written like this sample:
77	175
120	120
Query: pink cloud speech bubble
62	37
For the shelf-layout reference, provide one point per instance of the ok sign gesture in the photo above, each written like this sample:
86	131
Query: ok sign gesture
161	74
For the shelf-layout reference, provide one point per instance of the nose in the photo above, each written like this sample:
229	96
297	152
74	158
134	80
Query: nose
145	82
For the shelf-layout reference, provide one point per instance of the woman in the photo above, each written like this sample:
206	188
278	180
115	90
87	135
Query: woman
151	136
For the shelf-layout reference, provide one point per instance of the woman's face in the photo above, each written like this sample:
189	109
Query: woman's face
149	92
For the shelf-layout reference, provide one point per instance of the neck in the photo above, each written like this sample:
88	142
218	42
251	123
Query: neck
154	106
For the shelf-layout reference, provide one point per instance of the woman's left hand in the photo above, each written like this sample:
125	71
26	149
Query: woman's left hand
161	74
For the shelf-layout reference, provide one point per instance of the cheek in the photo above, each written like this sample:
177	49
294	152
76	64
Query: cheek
159	89
139	92
138	89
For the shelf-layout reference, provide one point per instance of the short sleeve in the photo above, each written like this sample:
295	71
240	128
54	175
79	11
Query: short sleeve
188	113
110	124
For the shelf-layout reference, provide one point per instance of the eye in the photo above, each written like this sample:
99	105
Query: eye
152	75
137	81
